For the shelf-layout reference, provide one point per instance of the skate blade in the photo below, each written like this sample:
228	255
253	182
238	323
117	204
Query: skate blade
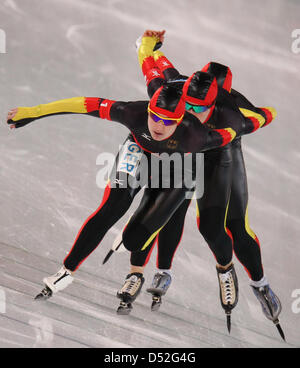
109	254
277	324
156	303
45	294
228	321
155	306
124	308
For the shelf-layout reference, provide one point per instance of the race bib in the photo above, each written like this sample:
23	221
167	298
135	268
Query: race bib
129	158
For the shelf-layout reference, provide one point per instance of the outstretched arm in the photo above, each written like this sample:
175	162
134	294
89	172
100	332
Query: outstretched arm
252	119
94	106
260	116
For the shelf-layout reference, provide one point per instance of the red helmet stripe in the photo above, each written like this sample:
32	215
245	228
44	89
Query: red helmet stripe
226	84
179	111
209	98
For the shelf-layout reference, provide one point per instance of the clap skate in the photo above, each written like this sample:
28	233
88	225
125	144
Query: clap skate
129	292
160	284
270	304
228	284
55	283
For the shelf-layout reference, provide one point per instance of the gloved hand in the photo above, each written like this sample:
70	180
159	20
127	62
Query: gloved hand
23	113
148	33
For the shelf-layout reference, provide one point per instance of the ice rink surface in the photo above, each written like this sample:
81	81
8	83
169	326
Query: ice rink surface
65	48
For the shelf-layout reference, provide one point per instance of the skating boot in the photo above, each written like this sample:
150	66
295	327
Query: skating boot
129	292
270	303
160	284
228	284
55	283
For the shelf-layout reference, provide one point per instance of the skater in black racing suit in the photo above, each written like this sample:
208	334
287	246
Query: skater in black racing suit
222	212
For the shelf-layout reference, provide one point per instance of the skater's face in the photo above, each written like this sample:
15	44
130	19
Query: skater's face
160	126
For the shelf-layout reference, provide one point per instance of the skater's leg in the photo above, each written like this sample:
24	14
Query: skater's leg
168	241
246	244
212	213
118	196
212	207
114	205
170	237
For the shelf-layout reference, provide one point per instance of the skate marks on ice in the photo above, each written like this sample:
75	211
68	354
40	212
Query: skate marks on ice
84	315
43	331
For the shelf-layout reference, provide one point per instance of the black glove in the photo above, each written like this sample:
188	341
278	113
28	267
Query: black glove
20	123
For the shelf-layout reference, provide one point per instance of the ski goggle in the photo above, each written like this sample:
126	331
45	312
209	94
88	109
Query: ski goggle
166	121
196	108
